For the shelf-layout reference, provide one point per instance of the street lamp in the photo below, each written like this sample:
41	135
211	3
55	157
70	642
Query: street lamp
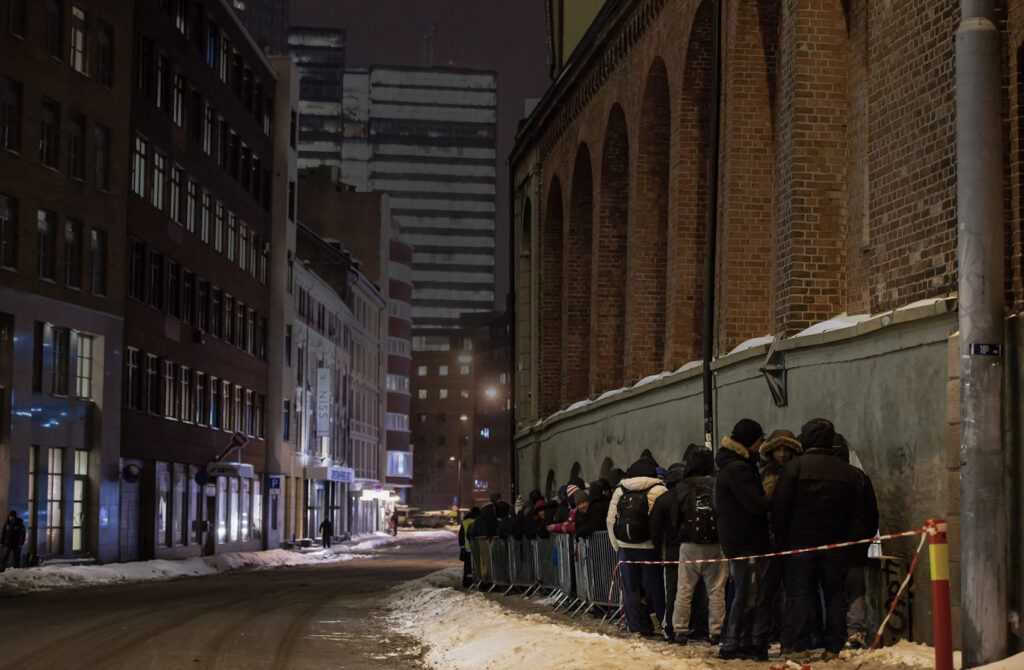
491	392
462	439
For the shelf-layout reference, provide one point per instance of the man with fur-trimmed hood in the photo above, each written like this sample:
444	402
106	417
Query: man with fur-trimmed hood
781	447
742	515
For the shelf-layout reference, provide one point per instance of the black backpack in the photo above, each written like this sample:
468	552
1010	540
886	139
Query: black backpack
697	519
632	523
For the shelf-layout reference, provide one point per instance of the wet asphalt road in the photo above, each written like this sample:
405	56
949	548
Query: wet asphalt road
321	617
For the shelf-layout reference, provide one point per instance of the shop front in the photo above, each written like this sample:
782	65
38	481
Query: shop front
326	491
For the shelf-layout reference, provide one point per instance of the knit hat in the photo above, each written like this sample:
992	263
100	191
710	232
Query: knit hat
643	467
701	463
579	496
747	432
570	490
778	439
817	434
690	448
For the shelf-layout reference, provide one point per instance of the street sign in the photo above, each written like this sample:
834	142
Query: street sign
274	483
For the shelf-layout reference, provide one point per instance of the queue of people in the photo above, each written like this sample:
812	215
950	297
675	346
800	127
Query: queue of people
756	495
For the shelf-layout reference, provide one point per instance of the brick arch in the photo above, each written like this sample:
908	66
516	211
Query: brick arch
812	197
686	240
609	311
549	364
648	231
743	291
577	267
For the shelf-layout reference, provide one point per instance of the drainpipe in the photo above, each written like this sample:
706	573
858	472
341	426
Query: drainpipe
712	227
980	259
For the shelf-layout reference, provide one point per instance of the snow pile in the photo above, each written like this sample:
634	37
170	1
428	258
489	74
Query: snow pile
49	577
469	631
836	323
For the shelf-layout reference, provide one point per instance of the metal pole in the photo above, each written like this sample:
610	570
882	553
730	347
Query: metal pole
712	225
980	262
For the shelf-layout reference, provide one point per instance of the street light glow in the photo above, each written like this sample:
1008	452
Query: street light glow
491	392
463	418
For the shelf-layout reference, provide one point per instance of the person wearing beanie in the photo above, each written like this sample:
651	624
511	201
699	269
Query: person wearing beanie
857	556
579	503
560	511
741	509
698	543
12	538
592	519
628	527
664	535
818	500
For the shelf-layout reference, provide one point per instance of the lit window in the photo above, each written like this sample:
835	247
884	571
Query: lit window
421	371
78	40
422	394
443	394
442	370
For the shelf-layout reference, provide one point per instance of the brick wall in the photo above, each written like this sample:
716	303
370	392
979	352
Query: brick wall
576	266
837	187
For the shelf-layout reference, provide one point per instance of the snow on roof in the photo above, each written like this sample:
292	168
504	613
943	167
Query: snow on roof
835	323
652	378
751	343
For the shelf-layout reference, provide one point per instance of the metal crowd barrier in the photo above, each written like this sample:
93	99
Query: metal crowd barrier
481	555
598	561
564	560
545	561
499	563
523	573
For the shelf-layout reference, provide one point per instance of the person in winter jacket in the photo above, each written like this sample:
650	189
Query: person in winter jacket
486	525
781	447
592	519
742	513
818	500
12	538
466	547
664	534
536	523
579	503
697	477
857	556
628	516
326	532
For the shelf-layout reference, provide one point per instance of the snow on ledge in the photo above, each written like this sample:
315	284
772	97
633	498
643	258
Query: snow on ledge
751	343
651	379
835	323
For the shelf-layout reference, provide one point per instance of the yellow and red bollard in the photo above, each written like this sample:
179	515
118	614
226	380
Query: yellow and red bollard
938	555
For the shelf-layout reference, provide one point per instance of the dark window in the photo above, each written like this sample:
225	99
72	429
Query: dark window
159	177
49	123
54	28
174	289
236	75
268	118
198	26
175	195
234	157
98	244
292	132
151	385
224	141
16	17
76	146
247	89
47	242
137	272
73	249
229	318
178	103
10	115
216	312
156	279
188	309
139	156
105	55
287	423
288	345
8	232
209	129
101	152
61	360
181	17
261	338
202	319
163	83
144	80
291	200
133	380
241	334
78	41
196	117
191	203
211	45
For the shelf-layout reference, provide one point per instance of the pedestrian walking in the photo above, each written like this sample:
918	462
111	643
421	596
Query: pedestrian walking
698	540
628	524
12	538
326	532
742	516
818	500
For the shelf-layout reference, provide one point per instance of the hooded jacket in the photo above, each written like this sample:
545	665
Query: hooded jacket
665	517
770	468
741	507
818	500
640	476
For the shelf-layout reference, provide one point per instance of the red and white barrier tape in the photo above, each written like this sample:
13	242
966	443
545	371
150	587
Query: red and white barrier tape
789	552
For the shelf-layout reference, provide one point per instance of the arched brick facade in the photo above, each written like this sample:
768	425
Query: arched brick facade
836	186
577	266
609	312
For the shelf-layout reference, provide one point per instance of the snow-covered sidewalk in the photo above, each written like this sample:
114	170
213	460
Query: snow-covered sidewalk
48	577
471	631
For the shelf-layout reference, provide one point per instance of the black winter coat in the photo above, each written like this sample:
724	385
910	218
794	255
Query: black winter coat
664	519
486	525
13	535
858	555
818	500
594	519
741	507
